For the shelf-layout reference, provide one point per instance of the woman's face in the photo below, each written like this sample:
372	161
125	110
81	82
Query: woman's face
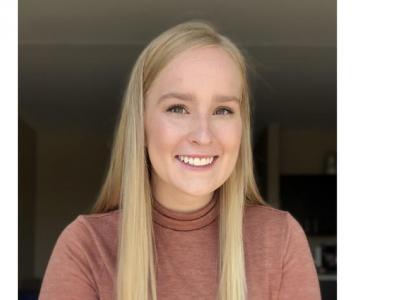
192	111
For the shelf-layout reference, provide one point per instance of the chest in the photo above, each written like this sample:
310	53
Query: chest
187	267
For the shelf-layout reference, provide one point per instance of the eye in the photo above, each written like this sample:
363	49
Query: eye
179	109
225	111
176	108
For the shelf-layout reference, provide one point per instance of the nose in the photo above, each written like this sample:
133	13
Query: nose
201	132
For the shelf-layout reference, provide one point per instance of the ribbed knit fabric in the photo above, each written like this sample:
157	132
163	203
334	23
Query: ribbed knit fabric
278	261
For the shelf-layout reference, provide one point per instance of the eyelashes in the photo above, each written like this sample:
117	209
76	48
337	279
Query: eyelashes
178	108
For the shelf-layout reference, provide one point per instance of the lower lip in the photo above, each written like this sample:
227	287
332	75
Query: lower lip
197	168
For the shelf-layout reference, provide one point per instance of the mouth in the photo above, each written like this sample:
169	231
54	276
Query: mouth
197	162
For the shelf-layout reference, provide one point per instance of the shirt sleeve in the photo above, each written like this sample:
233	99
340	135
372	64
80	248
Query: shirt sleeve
69	274
299	276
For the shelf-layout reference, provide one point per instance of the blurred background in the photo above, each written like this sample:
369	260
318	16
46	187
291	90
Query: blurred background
74	62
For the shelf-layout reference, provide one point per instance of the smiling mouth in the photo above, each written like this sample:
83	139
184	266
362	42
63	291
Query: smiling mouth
197	162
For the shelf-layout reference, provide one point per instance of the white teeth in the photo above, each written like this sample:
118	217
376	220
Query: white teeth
196	161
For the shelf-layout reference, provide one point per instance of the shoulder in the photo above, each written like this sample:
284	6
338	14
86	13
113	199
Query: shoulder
88	232
266	216
274	238
84	249
102	223
92	223
270	224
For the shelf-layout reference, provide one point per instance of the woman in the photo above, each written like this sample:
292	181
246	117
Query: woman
179	215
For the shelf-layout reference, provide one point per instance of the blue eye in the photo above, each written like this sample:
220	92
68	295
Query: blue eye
180	108
176	108
227	111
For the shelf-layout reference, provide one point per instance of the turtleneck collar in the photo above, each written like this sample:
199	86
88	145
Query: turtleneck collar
183	221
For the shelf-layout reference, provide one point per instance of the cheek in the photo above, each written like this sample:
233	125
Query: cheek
162	135
230	136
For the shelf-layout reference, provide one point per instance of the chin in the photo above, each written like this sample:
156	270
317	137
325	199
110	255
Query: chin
198	193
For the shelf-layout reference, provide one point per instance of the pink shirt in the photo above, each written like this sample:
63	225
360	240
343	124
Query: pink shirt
278	261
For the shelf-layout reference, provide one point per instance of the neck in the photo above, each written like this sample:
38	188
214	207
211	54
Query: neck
179	201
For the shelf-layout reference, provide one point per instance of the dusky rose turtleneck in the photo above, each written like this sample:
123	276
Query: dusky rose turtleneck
279	265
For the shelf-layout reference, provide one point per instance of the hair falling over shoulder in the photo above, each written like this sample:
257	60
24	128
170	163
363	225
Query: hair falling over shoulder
127	184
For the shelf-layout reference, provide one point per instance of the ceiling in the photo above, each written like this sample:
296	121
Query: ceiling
75	57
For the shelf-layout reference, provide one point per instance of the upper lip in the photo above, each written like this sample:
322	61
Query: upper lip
198	155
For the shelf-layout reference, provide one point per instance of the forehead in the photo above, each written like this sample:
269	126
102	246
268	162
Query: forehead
205	69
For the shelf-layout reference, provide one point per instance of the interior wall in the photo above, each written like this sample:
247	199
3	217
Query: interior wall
70	170
26	200
305	151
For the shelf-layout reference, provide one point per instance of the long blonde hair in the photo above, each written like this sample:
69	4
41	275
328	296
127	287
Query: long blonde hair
127	184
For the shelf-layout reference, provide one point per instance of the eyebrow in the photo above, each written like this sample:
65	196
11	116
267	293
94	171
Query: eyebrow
190	97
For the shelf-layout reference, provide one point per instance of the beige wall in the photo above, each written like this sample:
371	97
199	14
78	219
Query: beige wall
292	152
304	151
70	168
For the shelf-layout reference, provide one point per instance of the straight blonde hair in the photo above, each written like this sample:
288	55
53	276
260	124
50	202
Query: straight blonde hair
127	184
